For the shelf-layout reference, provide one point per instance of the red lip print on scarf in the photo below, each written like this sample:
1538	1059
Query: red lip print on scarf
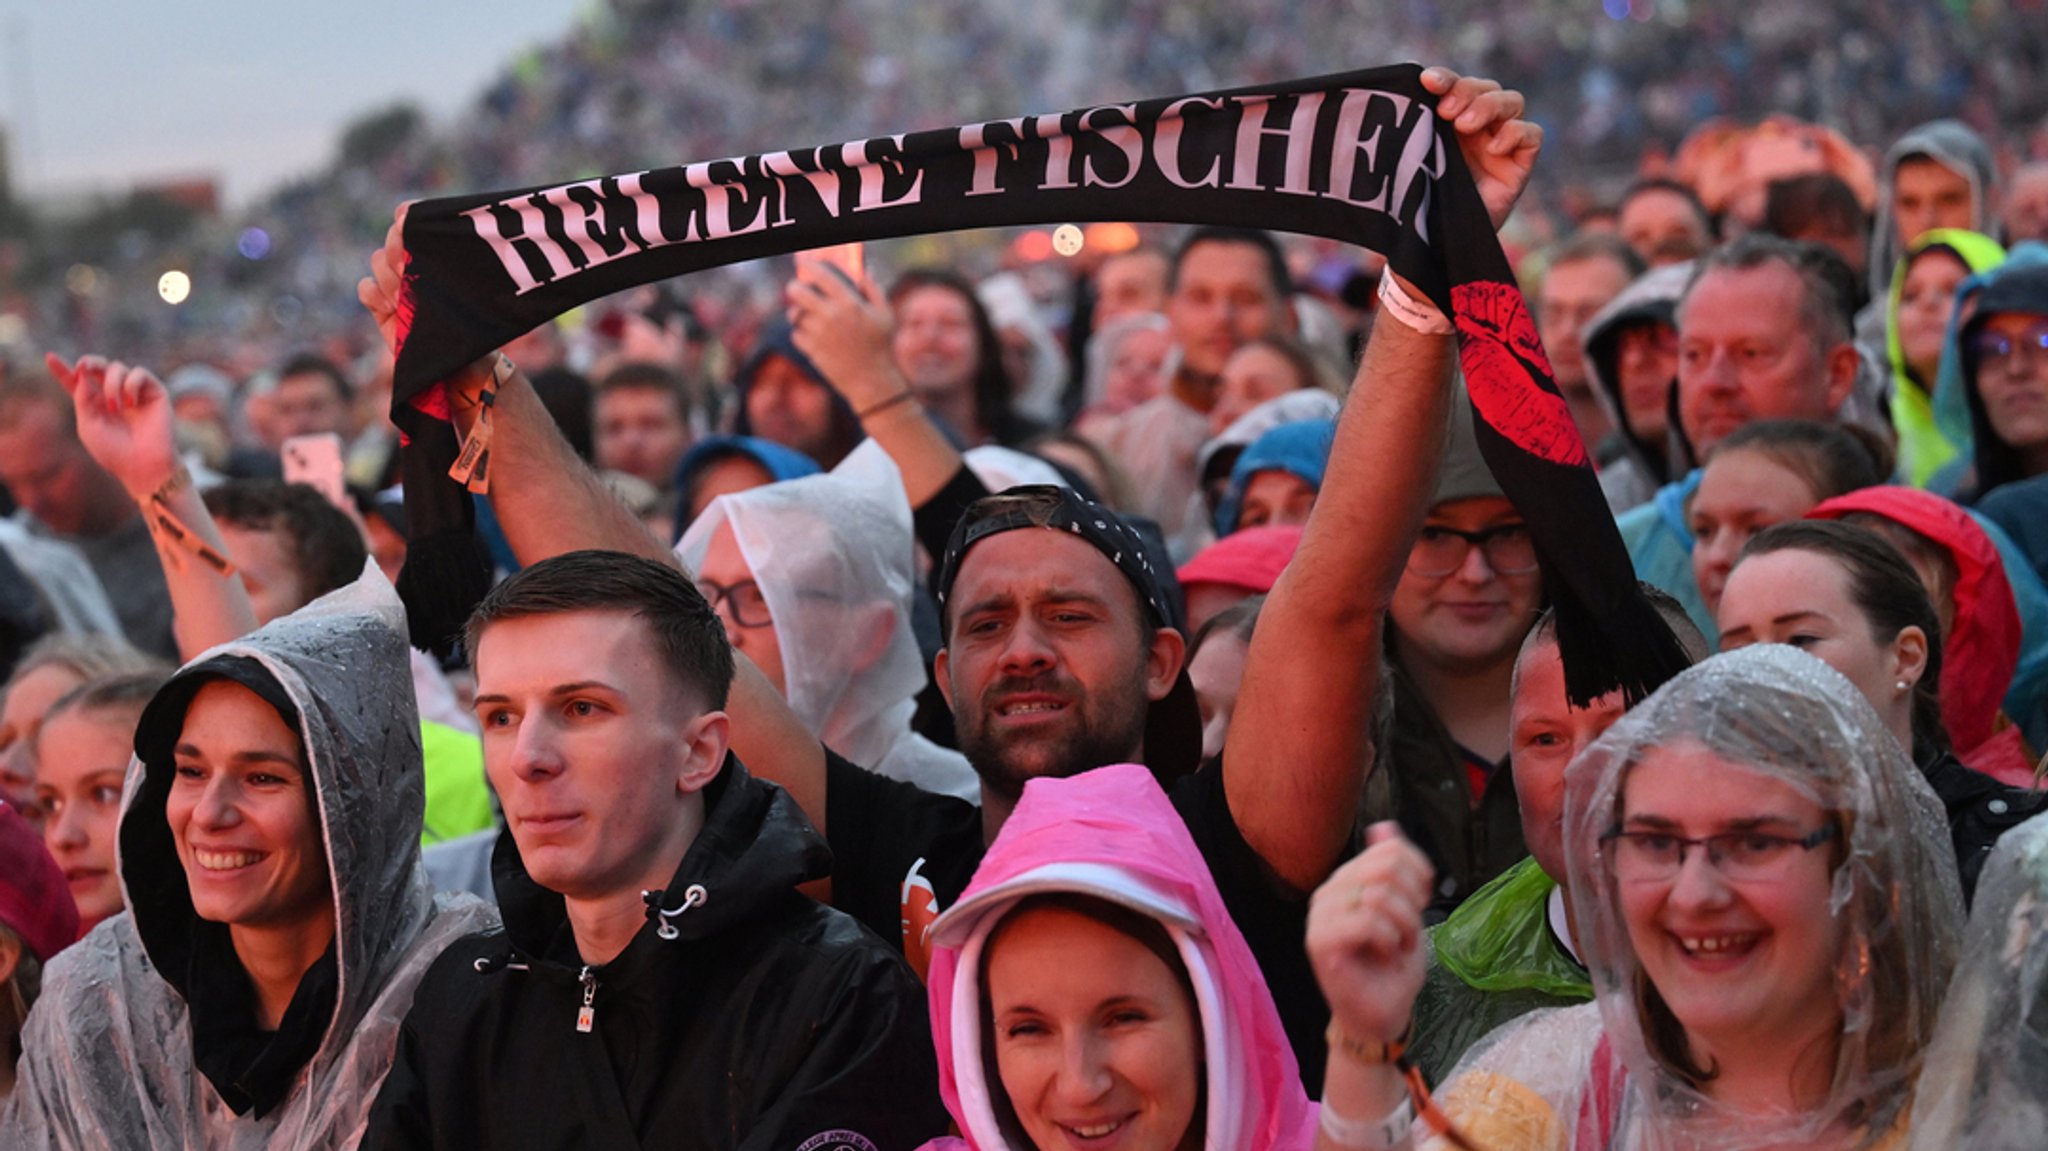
1505	370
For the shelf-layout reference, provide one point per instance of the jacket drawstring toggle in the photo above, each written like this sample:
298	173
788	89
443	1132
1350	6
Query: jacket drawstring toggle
693	896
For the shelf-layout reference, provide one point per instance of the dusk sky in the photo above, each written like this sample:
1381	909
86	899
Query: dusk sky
248	91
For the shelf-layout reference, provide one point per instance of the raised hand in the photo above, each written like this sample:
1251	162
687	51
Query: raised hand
1499	146
379	290
1365	936
845	330
124	420
379	293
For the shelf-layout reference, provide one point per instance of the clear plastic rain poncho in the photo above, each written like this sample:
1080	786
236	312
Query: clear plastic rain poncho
109	1052
1986	1083
1585	1077
833	556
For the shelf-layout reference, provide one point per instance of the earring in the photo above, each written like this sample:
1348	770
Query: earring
1904	686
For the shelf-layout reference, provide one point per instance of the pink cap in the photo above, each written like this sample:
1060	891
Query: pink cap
1250	559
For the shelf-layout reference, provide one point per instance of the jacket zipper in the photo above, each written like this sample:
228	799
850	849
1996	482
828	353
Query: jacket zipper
586	1017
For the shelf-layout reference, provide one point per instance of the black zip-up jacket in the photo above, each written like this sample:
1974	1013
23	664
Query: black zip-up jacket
743	1015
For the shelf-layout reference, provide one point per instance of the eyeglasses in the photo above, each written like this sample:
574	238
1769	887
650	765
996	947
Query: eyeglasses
1997	347
1740	856
1439	551
749	608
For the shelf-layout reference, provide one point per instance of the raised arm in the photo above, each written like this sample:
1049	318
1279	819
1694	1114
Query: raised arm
124	421
548	502
845	330
1300	745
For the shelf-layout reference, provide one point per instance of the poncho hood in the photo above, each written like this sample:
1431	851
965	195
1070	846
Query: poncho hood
1782	714
149	1051
1982	648
834	558
1113	834
1986	1083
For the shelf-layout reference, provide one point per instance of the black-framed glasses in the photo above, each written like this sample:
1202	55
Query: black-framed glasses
744	599
1997	347
1439	551
1741	856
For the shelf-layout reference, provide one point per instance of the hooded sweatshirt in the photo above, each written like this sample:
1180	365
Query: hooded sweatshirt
1923	449
1113	834
1954	146
1955	404
144	1037
742	1015
2021	285
833	556
1653	298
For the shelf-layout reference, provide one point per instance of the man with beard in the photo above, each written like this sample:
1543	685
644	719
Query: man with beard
1061	653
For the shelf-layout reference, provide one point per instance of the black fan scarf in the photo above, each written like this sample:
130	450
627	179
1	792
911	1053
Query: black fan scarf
1358	157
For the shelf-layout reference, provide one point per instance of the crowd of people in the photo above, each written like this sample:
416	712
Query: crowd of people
934	726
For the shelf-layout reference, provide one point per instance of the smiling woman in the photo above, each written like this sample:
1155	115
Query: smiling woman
1090	990
1769	911
270	847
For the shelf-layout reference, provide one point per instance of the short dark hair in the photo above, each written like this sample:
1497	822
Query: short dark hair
1886	589
315	364
1799	204
687	632
326	546
1269	248
1677	188
648	376
1827	286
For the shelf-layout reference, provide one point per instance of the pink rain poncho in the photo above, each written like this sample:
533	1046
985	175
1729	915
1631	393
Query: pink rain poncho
1111	833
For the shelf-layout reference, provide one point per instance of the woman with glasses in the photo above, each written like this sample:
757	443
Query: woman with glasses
2004	347
1768	912
1468	595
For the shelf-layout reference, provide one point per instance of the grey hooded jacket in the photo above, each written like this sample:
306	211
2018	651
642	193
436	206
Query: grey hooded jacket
140	1039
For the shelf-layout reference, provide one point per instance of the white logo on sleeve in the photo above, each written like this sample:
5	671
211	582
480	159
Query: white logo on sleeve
837	1141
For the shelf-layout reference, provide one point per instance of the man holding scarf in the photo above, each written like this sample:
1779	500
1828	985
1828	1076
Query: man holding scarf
1087	635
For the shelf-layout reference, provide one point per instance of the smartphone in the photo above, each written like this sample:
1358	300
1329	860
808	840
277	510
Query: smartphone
848	258
315	460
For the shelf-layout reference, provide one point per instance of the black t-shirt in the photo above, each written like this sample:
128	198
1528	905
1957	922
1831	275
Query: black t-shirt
902	854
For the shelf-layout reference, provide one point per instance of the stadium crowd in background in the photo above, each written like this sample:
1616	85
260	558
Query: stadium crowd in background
1018	700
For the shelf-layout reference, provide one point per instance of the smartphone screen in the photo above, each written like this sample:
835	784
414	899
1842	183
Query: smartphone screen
315	460
848	258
